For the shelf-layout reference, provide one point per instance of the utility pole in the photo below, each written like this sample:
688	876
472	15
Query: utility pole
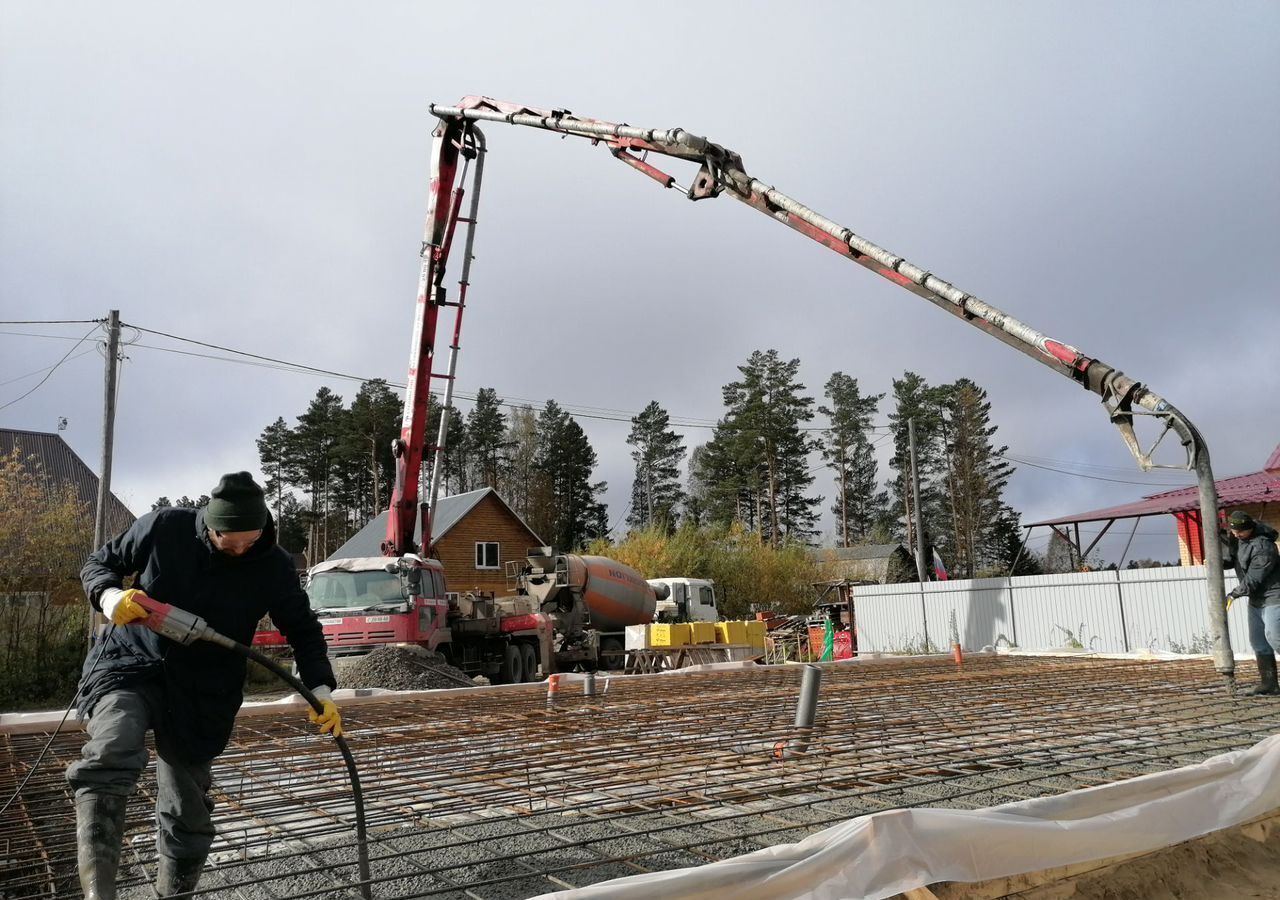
915	500
108	428
108	443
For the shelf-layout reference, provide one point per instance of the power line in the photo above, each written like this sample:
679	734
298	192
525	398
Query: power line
620	519
52	337
580	411
1076	463
1023	462
51	321
54	368
583	411
283	365
47	368
257	356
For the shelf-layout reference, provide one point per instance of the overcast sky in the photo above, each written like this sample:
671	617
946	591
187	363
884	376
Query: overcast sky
254	176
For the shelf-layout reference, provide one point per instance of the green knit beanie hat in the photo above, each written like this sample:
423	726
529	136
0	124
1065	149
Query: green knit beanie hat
236	504
1240	520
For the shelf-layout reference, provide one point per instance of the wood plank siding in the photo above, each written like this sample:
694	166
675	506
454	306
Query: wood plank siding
489	520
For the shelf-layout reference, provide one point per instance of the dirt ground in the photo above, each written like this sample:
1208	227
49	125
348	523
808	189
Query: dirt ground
1238	864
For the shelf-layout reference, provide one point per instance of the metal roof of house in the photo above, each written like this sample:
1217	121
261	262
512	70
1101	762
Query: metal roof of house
1256	487
59	464
1273	463
449	512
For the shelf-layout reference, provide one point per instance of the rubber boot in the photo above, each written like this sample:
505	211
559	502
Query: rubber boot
1267	685
99	832
175	877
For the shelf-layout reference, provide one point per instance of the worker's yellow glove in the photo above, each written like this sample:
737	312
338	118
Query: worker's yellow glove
121	607
1229	599
329	719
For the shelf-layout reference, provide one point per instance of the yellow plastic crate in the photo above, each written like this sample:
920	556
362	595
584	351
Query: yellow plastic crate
702	632
731	632
670	634
755	634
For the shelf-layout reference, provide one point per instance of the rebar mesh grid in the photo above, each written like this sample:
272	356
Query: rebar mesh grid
493	795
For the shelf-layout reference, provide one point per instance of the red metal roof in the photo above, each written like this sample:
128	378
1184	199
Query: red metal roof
1273	463
1257	487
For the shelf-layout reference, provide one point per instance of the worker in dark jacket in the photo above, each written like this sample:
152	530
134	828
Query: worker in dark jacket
1252	550
222	564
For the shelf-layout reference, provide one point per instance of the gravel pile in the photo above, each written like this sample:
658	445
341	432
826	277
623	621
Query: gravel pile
402	669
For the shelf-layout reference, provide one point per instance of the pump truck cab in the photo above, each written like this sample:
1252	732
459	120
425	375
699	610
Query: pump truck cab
364	602
367	602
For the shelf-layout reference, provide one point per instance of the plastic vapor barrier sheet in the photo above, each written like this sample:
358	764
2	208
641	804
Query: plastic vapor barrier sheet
883	854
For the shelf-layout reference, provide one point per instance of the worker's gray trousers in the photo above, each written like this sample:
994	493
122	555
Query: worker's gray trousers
115	755
1264	628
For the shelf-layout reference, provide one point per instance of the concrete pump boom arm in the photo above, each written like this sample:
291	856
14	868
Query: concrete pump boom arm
722	171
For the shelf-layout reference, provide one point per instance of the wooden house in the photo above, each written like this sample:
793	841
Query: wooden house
474	535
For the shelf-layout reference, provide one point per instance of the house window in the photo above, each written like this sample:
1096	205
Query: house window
487	555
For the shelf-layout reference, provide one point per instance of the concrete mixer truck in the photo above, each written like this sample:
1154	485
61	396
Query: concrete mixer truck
591	600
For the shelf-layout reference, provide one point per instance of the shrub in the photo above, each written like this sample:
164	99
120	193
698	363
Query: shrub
44	531
750	574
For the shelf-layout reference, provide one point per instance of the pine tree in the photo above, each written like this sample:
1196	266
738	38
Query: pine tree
313	447
763	435
724	478
274	449
914	399
976	476
566	508
453	478
696	498
487	439
517	471
847	449
373	424
655	491
291	525
1005	552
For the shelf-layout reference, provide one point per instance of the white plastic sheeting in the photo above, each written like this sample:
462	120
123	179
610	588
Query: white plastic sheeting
887	853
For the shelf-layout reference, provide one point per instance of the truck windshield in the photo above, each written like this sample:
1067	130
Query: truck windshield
333	590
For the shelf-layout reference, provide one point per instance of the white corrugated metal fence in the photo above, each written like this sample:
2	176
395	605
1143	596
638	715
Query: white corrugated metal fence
1110	612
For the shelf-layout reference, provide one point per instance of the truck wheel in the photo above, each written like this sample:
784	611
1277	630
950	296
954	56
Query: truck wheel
529	657
612	656
512	671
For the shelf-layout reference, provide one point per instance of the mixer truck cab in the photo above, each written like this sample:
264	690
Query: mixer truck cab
365	602
686	600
